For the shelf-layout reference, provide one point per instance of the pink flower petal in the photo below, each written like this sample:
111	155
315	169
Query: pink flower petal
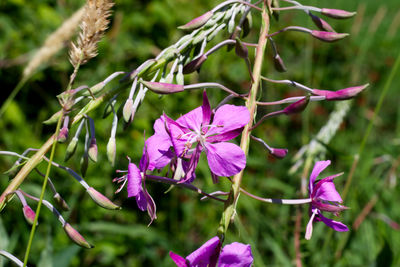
224	136
134	183
158	149
179	260
225	159
318	168
228	118
325	189
236	254
192	120
206	109
202	256
337	226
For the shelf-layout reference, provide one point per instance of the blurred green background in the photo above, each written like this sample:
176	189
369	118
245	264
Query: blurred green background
139	30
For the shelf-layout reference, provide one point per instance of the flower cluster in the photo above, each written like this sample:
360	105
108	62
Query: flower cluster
179	143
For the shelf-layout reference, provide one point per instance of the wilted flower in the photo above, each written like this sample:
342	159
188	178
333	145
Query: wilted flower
324	197
209	254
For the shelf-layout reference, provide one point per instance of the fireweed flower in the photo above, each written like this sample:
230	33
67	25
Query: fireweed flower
209	132
209	254
136	185
324	197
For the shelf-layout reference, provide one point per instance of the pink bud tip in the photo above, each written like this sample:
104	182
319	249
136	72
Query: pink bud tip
337	13
93	150
101	200
297	106
163	88
76	236
194	64
342	94
279	153
29	214
328	36
197	22
63	135
321	24
278	64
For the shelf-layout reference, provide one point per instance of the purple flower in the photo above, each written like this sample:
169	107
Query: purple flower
136	185
209	132
209	254
324	197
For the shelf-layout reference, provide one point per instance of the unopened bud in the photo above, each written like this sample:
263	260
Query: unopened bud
342	94
328	36
197	22
53	119
247	24
278	63
75	236
84	164
61	202
240	49
337	13
71	148
101	200
279	153
111	150
93	150
194	64
127	110
321	24
297	106
63	135
29	214
163	88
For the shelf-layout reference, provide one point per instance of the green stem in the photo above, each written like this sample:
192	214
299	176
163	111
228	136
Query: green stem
53	148
11	97
251	104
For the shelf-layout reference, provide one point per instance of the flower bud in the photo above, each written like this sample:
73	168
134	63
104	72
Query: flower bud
71	148
163	88
321	24
297	106
84	164
328	36
111	150
337	13
101	200
61	202
63	135
29	214
197	22
127	110
279	153
53	119
342	94
194	64
240	49
93	150
278	64
75	236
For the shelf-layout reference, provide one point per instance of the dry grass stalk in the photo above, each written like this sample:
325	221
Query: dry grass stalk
94	23
54	43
